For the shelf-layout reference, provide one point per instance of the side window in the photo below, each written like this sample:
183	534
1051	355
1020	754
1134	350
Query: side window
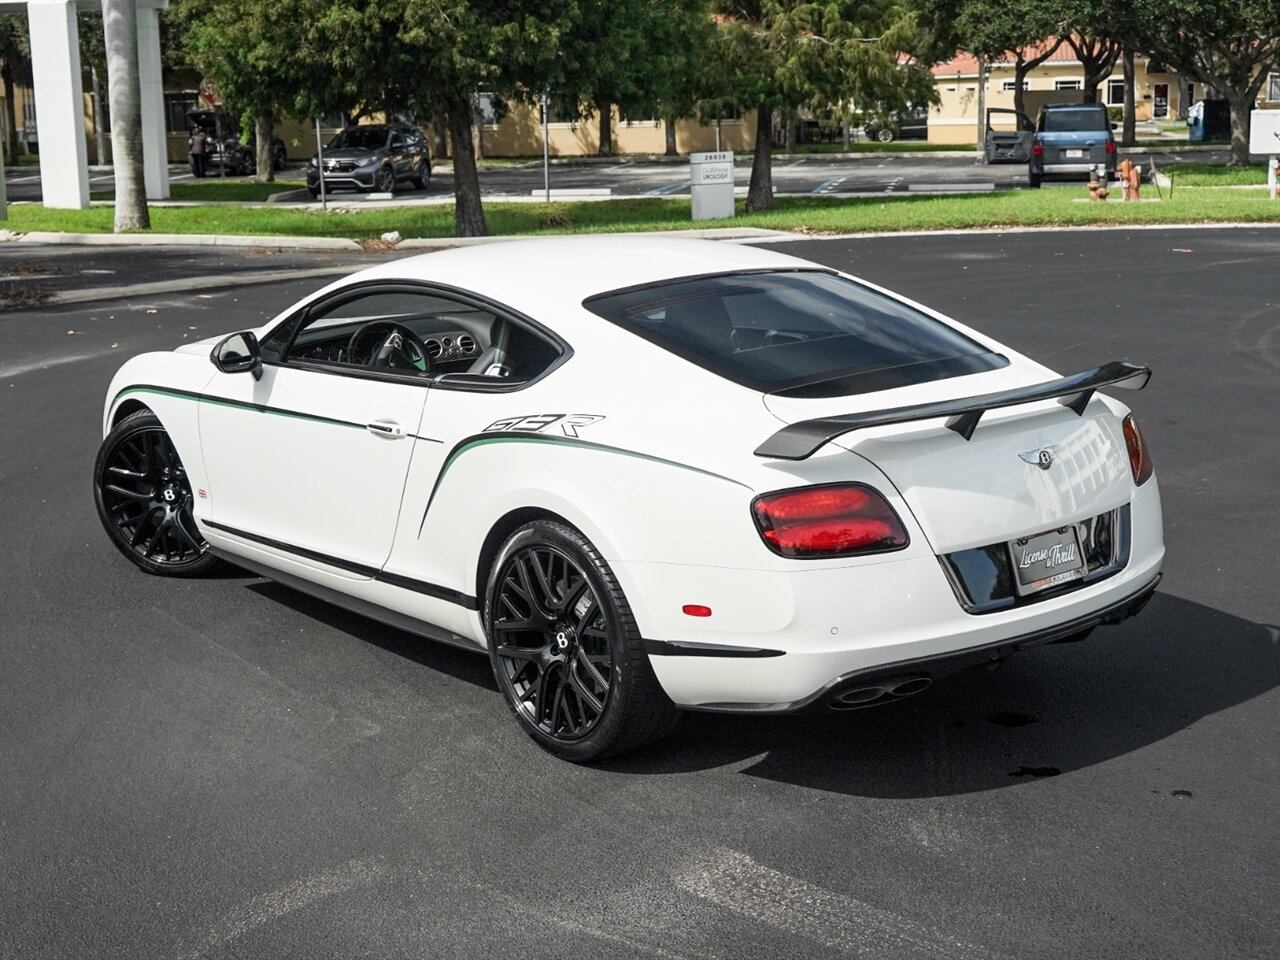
400	330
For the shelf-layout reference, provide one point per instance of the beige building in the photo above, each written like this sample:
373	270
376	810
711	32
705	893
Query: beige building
1160	93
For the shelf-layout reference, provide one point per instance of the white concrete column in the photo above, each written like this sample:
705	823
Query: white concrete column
55	64
155	143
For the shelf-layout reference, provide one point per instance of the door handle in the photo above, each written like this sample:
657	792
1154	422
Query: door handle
386	429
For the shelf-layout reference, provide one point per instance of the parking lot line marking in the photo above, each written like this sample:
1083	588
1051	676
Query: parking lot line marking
733	880
18	369
666	188
825	184
274	904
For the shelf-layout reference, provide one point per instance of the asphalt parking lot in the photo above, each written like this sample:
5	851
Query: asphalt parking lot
227	768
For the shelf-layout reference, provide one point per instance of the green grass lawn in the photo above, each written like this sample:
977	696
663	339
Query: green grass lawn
1048	207
218	188
1215	174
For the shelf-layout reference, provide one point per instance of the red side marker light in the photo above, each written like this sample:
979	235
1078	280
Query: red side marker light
1139	456
696	610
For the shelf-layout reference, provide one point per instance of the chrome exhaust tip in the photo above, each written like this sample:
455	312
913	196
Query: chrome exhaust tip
857	696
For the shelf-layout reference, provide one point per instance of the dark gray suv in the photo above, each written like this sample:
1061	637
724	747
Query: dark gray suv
374	156
1070	140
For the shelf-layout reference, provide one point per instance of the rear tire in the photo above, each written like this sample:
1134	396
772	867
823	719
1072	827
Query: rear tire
565	649
144	500
424	176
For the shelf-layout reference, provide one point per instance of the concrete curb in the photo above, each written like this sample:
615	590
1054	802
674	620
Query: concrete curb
787	237
200	285
189	240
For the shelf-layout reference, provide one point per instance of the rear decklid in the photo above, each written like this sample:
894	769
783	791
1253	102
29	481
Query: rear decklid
1038	452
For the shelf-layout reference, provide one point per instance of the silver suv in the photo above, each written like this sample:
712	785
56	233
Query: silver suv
372	156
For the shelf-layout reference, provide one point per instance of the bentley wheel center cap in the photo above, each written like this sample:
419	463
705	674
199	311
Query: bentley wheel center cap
562	640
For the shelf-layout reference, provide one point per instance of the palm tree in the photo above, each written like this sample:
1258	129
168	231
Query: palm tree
120	30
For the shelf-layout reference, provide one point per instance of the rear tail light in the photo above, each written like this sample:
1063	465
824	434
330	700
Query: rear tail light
1139	456
1111	146
1038	149
838	520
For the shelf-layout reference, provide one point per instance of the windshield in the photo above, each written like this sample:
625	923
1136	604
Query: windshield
802	333
361	138
1076	121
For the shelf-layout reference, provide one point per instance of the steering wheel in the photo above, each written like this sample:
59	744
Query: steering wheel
393	350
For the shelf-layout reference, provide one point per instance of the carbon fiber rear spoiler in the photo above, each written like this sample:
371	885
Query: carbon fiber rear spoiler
799	441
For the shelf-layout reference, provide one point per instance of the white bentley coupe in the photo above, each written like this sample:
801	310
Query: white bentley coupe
645	475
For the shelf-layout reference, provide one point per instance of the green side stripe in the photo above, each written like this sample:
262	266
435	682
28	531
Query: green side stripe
243	405
564	442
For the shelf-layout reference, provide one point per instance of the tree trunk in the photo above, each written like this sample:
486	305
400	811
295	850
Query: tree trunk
1240	104
265	161
120	31
1129	135
99	116
672	149
468	212
11	111
1020	71
605	108
760	192
844	134
790	141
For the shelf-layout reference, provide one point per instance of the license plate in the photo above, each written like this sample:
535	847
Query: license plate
1047	560
1074	154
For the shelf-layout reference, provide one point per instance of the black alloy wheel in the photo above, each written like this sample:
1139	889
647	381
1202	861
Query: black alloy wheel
144	499
424	176
385	180
565	649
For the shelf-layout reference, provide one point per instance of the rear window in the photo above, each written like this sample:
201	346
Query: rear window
798	333
1076	121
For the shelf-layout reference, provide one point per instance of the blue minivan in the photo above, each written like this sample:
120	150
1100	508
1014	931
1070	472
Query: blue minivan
1070	140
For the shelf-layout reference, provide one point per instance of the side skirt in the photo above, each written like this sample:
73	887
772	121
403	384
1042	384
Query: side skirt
354	604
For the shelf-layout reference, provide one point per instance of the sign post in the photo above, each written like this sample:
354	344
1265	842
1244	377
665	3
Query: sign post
711	179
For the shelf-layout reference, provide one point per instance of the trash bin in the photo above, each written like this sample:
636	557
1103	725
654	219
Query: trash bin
1209	120
711	179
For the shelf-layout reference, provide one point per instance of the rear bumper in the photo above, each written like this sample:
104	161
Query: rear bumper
1073	171
872	686
780	641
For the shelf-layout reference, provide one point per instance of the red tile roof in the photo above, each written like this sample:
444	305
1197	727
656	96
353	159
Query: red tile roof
967	64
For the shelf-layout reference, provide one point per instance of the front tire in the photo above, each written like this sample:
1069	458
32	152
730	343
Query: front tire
384	181
884	136
565	649
144	500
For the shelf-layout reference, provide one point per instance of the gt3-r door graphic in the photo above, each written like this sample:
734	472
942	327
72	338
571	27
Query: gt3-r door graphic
311	459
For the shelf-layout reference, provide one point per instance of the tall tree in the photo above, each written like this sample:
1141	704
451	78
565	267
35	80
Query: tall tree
15	68
1228	47
120	28
1097	53
994	29
779	54
511	48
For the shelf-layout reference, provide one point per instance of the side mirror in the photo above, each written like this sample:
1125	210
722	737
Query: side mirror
238	353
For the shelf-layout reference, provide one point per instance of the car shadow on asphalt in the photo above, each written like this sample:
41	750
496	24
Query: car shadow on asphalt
1046	711
457	663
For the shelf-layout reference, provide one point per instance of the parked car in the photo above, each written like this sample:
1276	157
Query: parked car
373	156
224	146
1070	141
911	127
645	474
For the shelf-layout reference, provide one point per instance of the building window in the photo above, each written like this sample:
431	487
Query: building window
487	109
1068	84
1008	85
1155	66
176	108
1273	88
1115	92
